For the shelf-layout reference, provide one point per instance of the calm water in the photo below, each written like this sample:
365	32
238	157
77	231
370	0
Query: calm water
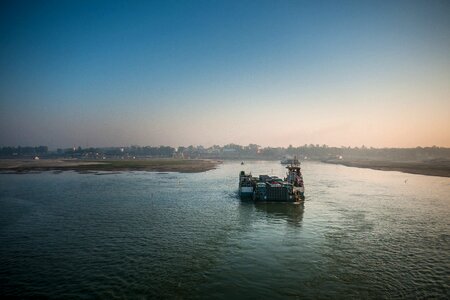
361	233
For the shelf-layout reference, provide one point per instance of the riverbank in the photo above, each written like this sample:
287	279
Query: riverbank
87	166
435	167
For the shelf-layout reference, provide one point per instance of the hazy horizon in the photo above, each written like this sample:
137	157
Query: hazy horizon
87	146
272	73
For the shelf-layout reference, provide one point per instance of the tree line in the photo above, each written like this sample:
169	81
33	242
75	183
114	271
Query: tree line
23	151
235	151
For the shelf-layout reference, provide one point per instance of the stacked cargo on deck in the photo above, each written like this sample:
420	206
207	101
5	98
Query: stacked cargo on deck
273	188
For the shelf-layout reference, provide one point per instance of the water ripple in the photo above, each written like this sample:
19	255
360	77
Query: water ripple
360	234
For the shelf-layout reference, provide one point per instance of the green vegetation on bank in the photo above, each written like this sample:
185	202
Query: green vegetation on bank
183	165
157	165
434	167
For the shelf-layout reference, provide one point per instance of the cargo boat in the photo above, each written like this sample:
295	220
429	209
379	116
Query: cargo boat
267	188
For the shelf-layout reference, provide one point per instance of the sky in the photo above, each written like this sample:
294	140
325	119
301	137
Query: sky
274	73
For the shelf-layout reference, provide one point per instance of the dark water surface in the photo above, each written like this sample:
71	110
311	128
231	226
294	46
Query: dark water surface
361	233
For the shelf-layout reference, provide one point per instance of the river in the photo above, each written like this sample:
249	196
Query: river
360	233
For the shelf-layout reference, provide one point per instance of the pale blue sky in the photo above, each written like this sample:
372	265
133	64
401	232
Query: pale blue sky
110	73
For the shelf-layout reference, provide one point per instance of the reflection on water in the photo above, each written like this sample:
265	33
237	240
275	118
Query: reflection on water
291	213
359	234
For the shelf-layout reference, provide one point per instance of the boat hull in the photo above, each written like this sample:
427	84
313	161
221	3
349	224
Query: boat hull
246	192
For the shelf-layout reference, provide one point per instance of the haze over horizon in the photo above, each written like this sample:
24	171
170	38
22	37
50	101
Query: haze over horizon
112	73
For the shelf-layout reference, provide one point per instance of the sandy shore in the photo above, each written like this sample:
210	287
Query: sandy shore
432	167
155	165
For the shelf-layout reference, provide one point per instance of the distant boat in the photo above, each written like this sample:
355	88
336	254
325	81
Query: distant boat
242	163
290	161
